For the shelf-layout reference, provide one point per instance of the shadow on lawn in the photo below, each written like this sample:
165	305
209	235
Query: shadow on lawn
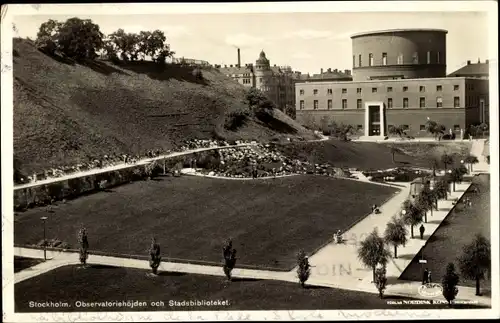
171	274
245	279
99	266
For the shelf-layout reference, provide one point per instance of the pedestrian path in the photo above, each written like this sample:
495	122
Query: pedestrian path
477	150
123	166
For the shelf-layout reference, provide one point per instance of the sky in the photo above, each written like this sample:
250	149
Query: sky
305	41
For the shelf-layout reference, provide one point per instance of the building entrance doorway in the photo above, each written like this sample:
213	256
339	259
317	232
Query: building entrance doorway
374	120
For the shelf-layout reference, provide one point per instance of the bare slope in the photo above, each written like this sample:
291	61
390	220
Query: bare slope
65	113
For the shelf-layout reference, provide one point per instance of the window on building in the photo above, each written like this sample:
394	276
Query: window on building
415	58
344	91
359	104
456	87
358	90
438	57
405	102
330	104
456	127
405	89
384	58
456	102
315	91
428	57
353	60
422	127
389	103
360	127
370	59
439	88
374	90
439	102
400	59
422	102
329	91
315	104
301	104
389	89
359	61
301	92
422	88
344	104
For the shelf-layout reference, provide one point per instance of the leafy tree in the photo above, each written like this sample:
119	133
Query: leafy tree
395	234
84	245
435	129
154	44
413	215
470	160
441	190
446	160
80	39
154	256
372	252
381	280
397	131
46	39
449	283
124	42
475	261
303	268
457	175
425	201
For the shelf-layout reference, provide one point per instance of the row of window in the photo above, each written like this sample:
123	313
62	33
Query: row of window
359	103
400	59
439	88
456	127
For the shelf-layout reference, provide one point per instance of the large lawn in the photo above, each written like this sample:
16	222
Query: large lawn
457	230
101	283
269	221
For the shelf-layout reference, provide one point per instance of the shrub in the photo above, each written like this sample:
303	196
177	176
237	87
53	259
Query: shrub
380	280
304	268
197	73
154	254
235	120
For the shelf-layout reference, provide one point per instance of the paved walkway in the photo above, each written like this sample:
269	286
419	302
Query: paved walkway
477	149
122	166
193	172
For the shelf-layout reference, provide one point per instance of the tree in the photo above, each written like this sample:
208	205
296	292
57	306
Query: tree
425	201
470	160
303	268
84	245
125	43
435	129
413	215
395	234
381	280
46	39
229	254
446	160
79	39
449	283
154	44
457	175
372	252
397	130
475	261
154	256
441	190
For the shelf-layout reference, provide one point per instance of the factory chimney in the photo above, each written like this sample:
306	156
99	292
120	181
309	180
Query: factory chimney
239	58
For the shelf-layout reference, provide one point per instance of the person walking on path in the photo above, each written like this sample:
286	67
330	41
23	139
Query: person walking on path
429	277
422	230
425	278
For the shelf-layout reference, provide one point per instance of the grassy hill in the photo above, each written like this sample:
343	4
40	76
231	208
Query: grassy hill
65	113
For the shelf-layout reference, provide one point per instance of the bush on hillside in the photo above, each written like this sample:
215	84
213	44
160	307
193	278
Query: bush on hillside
235	120
197	73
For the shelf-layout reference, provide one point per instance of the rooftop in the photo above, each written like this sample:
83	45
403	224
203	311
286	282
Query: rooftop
478	69
391	31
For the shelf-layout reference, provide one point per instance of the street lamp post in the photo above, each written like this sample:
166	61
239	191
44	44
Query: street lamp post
452	180
43	218
422	260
